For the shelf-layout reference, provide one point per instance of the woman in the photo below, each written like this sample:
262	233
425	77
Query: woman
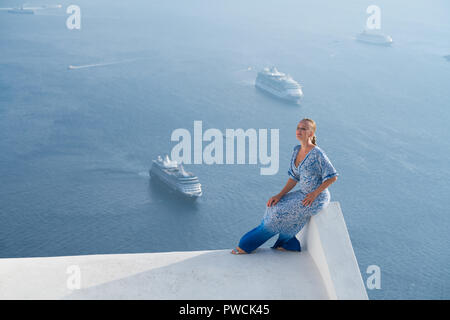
288	212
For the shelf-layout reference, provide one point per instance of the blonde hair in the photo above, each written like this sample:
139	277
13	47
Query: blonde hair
313	126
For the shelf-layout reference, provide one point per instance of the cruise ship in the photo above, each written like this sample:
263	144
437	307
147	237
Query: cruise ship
175	177
279	84
373	37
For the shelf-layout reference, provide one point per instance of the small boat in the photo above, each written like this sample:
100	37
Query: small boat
374	37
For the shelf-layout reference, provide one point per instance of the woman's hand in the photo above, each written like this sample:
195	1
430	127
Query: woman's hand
309	199
274	200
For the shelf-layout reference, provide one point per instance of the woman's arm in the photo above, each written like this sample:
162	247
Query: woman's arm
288	187
310	197
326	184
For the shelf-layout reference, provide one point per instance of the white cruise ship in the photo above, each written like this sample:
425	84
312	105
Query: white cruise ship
175	177
278	84
374	37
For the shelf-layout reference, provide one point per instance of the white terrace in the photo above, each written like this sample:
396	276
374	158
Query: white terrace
326	269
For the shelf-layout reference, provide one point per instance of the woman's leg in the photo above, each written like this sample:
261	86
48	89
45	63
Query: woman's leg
287	242
287	239
255	238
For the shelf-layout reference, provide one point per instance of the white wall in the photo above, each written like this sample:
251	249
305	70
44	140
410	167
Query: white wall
327	240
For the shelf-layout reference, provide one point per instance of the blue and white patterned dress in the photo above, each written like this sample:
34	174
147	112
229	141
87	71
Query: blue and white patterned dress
289	215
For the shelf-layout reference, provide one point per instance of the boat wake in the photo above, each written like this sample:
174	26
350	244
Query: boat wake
72	67
245	77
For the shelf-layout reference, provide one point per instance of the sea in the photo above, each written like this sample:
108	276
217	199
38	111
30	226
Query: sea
76	145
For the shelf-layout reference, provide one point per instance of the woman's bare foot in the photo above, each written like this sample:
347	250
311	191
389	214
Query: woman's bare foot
238	250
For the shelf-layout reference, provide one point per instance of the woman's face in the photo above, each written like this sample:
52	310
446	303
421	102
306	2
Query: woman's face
304	131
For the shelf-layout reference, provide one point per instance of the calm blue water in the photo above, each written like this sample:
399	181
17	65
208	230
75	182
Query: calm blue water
76	145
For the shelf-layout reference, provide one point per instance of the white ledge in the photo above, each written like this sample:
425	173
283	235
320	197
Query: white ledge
326	269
